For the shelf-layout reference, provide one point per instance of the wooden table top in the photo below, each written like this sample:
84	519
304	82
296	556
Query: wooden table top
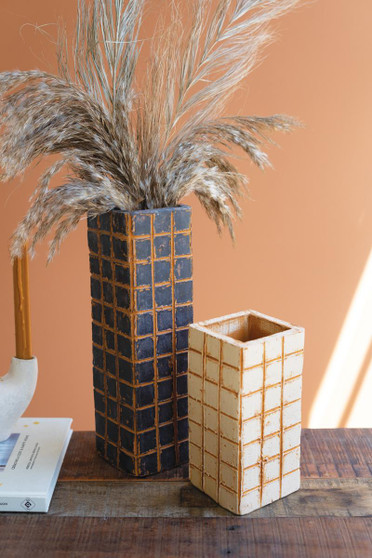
98	511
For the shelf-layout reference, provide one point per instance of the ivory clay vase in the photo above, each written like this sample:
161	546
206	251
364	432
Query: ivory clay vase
141	286
245	375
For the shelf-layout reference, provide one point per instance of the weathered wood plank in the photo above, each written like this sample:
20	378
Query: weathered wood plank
69	537
317	498
339	452
98	511
333	453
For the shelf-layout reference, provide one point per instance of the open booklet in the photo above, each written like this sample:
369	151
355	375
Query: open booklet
30	462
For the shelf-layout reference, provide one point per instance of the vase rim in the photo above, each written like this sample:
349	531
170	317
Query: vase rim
208	326
154	210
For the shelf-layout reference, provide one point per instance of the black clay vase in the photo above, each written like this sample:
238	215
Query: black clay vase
142	290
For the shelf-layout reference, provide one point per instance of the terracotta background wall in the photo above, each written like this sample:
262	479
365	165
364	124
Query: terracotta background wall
305	238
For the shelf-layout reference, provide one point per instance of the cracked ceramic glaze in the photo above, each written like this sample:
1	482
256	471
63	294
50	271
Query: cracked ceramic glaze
245	376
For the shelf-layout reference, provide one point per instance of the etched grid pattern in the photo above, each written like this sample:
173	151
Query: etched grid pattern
141	286
245	417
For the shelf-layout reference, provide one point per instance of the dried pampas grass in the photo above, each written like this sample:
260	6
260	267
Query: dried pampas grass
136	145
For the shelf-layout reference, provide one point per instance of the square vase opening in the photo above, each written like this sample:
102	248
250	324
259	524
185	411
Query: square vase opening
245	378
246	327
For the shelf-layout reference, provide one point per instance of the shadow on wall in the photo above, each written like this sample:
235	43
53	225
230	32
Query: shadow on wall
343	398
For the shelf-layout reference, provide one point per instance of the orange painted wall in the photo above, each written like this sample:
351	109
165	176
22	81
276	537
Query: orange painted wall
305	236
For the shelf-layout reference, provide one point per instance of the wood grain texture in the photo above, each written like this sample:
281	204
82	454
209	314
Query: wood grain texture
74	537
98	511
317	498
339	452
331	453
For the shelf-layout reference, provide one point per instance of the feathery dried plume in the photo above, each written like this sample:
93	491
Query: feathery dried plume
134	147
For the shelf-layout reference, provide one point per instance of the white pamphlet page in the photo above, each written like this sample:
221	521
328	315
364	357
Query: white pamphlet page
30	462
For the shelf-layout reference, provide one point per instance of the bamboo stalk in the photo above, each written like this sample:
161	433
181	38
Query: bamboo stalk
22	307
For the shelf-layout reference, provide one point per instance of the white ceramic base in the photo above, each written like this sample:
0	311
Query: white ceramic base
16	392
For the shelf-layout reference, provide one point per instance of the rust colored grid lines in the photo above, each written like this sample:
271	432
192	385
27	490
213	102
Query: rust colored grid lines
141	287
245	416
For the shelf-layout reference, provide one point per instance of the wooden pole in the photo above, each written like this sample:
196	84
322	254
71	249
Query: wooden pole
22	307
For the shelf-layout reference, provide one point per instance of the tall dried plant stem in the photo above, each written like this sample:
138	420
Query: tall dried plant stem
134	146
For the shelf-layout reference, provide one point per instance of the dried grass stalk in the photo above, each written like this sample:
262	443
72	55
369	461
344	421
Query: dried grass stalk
131	145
